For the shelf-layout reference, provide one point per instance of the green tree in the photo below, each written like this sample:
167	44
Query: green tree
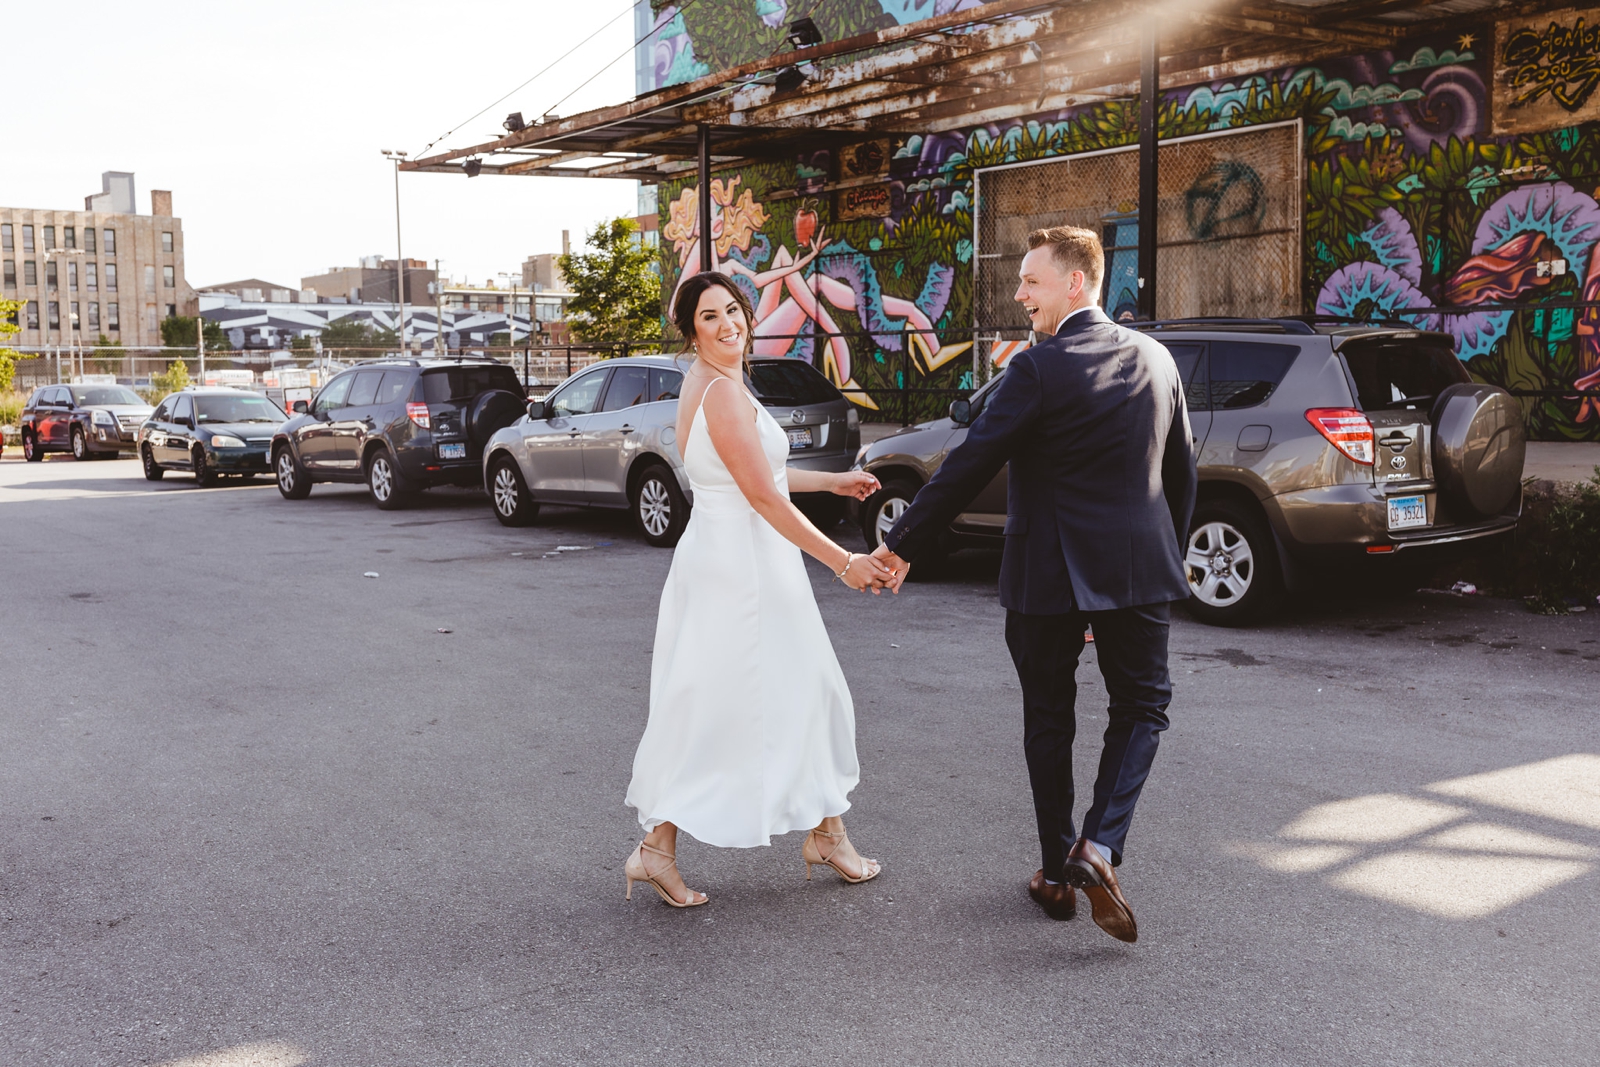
9	311
178	332
175	377
350	333
617	296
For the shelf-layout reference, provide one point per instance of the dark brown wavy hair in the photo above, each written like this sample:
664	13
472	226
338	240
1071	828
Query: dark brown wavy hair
688	299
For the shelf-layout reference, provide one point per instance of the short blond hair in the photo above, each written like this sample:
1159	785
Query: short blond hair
1073	248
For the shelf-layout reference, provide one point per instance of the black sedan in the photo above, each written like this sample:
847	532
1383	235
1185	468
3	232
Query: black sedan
211	431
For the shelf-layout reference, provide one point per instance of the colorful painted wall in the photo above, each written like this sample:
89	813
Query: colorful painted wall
1416	207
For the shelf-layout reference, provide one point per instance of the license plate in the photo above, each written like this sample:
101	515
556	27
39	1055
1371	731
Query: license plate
1407	511
452	451
800	438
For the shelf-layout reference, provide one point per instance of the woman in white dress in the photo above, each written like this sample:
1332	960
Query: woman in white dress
751	730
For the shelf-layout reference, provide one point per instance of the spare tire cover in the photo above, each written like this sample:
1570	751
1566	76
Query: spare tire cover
1478	447
492	411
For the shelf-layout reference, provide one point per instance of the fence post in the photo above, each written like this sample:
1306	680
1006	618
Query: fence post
569	361
905	377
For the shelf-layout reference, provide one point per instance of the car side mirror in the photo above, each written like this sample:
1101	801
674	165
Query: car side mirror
538	409
961	412
299	407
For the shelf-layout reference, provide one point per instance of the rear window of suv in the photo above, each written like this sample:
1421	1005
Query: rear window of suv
791	382
444	384
1401	371
1245	373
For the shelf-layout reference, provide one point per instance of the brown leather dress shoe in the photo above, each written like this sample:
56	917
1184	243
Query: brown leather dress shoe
1089	871
1059	901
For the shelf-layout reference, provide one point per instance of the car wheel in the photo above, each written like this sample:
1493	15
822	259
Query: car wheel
30	448
660	509
205	475
383	482
153	471
293	482
80	447
883	509
513	504
1232	564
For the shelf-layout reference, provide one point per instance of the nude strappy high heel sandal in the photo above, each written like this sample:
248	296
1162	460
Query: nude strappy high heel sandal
811	852
635	871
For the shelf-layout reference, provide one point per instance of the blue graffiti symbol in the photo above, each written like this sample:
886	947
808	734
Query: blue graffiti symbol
1229	192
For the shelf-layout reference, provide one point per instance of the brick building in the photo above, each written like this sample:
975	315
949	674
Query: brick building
104	270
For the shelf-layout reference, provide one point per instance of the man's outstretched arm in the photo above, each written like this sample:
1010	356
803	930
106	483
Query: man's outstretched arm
994	436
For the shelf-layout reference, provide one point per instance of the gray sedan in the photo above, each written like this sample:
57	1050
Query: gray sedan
607	437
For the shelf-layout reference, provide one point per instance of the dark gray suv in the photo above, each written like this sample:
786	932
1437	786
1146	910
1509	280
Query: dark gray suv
1317	443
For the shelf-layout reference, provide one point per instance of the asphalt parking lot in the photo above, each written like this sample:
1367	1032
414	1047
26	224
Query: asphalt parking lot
261	809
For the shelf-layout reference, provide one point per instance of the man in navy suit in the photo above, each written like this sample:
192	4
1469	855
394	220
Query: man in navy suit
1102	486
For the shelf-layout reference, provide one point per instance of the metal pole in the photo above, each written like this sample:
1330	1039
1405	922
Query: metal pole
438	311
1149	200
704	209
399	264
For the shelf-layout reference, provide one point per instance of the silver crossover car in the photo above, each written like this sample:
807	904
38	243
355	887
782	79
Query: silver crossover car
607	437
1316	443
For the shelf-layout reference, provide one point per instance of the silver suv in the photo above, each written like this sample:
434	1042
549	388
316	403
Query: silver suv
607	437
1317	443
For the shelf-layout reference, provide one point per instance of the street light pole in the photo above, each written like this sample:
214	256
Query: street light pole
400	257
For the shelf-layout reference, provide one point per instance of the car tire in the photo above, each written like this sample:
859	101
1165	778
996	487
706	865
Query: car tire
508	493
882	509
80	446
293	481
30	448
205	475
1232	564
660	510
384	482
153	471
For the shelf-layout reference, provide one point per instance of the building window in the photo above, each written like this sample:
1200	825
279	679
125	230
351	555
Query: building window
94	316
168	278
112	322
33	314
149	279
50	275
30	273
172	311
11	274
166	242
71	233
72	316
111	277
91	275
88	238
72	277
151	322
55	314
111	242
27	238
49	238
6	236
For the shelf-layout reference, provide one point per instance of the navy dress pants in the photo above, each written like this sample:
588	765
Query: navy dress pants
1131	644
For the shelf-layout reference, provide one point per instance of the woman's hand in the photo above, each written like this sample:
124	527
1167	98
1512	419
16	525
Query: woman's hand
863	572
858	484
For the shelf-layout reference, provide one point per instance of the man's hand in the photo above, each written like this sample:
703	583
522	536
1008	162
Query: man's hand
896	566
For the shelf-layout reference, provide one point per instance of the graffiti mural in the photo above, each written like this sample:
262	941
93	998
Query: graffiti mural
1414	209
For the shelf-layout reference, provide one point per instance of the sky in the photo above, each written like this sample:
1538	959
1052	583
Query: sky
266	122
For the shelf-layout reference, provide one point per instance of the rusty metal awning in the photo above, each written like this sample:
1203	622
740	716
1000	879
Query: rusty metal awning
984	64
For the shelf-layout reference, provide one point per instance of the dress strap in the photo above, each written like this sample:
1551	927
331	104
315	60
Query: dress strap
742	389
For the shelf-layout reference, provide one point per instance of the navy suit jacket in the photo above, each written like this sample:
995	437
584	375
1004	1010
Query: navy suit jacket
1102	479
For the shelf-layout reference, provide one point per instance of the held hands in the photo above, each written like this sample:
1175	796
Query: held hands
858	484
896	566
863	572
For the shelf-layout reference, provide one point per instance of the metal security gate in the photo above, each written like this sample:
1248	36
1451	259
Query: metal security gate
1228	231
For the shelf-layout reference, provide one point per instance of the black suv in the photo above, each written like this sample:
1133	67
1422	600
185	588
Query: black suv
399	426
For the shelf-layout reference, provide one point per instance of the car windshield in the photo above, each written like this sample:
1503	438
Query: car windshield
106	394
791	382
464	383
221	409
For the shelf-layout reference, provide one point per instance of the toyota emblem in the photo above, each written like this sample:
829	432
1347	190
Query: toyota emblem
1397	462
797	416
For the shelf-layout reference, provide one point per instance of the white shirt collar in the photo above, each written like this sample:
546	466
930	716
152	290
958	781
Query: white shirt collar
1080	311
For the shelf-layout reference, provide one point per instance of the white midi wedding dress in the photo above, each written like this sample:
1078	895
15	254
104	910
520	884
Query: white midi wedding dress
751	730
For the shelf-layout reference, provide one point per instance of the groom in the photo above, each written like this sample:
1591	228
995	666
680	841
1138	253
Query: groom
1102	484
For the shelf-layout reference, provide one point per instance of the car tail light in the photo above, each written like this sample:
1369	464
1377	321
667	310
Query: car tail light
1346	429
418	413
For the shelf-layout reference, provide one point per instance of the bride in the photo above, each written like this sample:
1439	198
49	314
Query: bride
751	730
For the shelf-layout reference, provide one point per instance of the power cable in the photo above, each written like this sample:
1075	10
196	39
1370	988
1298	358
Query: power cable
686	6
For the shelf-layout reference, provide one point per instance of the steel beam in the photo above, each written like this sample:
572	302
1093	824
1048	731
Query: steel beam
704	207
1149	200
